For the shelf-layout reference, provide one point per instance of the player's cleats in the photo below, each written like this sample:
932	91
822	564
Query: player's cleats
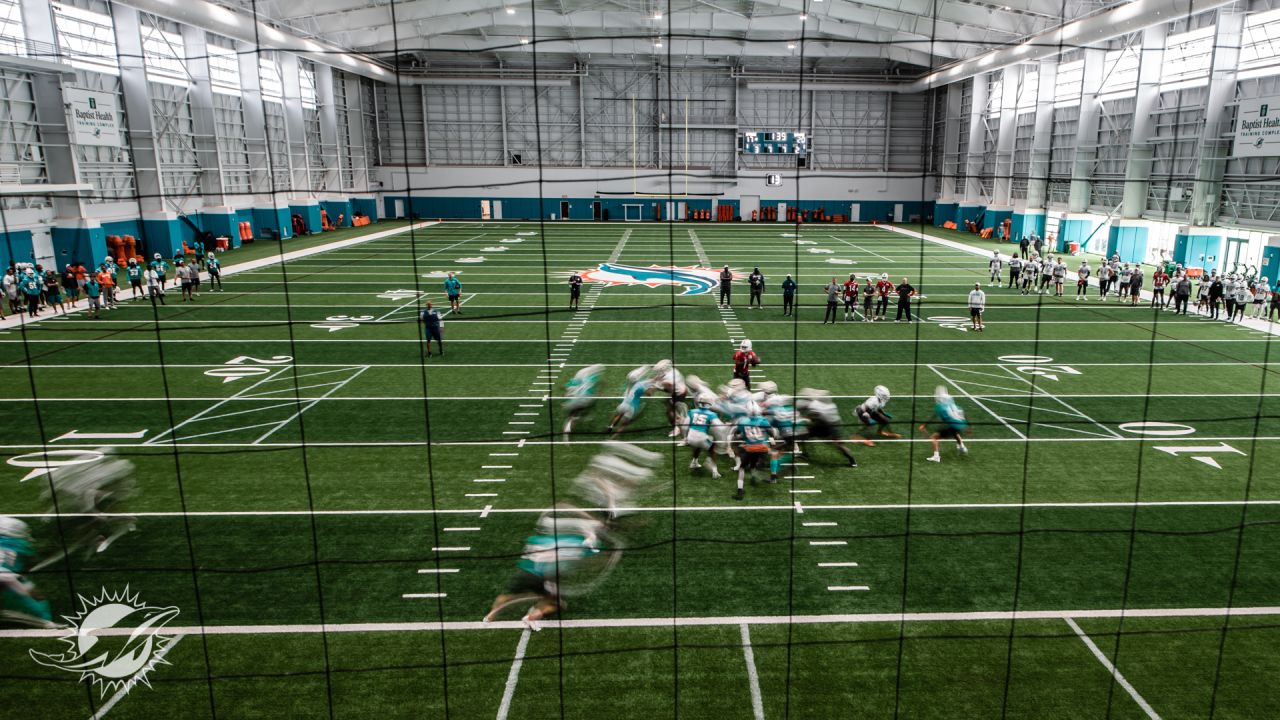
740	494
934	458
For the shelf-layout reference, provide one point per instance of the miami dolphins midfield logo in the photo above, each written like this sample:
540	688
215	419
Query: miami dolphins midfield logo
115	641
696	280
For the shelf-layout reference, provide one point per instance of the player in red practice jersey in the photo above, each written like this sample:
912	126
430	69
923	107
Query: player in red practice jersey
743	360
883	287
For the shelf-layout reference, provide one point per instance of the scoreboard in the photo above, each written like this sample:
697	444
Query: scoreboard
773	143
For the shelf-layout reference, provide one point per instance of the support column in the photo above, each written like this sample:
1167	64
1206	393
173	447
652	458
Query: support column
1087	131
1206	195
974	203
161	232
205	134
255	122
1129	234
1002	192
295	128
945	209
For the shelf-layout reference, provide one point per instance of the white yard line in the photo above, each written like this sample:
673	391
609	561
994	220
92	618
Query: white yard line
749	655
310	404
1083	505
667	622
1115	673
115	699
173	430
513	677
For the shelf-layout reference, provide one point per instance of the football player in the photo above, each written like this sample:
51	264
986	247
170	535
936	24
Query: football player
871	413
701	436
755	438
638	385
822	421
580	394
951	423
669	381
20	602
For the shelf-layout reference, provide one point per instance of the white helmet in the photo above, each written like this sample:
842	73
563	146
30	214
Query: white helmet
661	367
884	276
745	346
706	399
882	393
737	385
12	527
638	374
157	256
941	395
590	370
769	387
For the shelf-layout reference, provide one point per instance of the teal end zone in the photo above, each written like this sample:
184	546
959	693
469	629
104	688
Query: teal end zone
17	246
310	215
1024	224
222	225
275	219
944	212
85	245
1270	268
336	209
365	206
1129	242
1074	230
1198	251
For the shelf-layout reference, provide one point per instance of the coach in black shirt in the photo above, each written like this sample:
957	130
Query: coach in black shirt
905	293
726	286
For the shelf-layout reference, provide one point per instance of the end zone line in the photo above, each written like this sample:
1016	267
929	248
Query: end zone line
667	623
1115	673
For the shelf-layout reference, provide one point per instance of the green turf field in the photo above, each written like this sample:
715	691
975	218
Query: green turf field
332	513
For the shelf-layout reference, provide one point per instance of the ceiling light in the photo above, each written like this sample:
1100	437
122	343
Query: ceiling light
657	16
511	11
803	18
657	43
791	46
524	41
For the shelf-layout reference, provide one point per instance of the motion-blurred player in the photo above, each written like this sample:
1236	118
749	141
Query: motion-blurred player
20	602
701	437
580	395
951	423
872	414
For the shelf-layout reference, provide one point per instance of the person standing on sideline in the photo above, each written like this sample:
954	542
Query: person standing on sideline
1216	291
833	290
93	291
1260	293
184	280
755	282
134	273
905	293
883	288
432	325
1158	281
850	295
575	290
788	296
1015	271
743	360
868	297
1275	304
726	287
1244	296
1181	294
996	265
155	290
1135	284
1023	244
977	303
162	269
453	289
215	272
1082	281
70	287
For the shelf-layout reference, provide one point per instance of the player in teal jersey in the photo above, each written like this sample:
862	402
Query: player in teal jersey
548	561
134	272
20	602
788	424
756	439
638	385
580	395
951	423
215	272
161	269
702	421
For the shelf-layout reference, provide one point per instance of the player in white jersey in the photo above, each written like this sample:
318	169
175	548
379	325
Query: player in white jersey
701	435
1059	276
580	395
669	381
997	266
1029	272
1082	281
822	419
872	414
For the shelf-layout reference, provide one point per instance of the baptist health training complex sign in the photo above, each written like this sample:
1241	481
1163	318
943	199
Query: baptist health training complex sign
1258	127
94	120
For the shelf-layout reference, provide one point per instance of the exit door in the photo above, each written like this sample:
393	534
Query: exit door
484	210
595	210
564	209
1235	254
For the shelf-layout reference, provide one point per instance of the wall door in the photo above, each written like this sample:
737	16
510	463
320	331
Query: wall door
564	209
782	212
497	209
595	210
855	212
484	210
897	212
399	208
